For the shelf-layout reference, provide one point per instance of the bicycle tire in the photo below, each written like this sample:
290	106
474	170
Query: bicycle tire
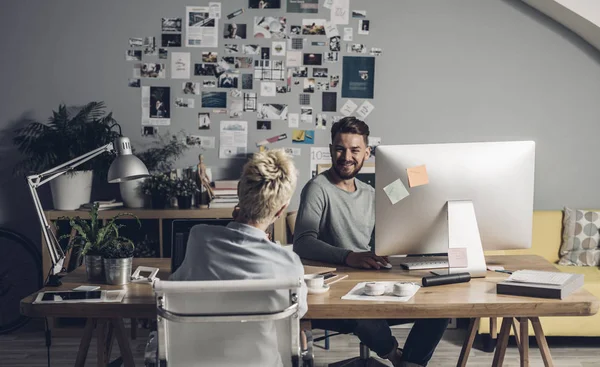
20	275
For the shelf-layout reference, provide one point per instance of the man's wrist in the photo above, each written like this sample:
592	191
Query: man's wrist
346	257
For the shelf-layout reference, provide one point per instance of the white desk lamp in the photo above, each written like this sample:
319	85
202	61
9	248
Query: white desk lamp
125	167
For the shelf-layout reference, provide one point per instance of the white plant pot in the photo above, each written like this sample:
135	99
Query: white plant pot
131	193
71	190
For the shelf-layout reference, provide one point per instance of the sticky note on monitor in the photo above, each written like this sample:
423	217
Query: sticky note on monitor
396	191
417	176
457	257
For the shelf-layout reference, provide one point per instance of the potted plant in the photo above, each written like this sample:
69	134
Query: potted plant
159	188
158	158
69	133
117	255
184	189
91	236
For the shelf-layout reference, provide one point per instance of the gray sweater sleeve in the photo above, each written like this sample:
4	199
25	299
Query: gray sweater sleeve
306	233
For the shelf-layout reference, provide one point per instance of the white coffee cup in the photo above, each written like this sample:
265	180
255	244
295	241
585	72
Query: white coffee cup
314	281
374	289
404	289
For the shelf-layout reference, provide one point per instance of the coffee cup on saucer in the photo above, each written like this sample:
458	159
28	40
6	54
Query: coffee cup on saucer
315	283
404	289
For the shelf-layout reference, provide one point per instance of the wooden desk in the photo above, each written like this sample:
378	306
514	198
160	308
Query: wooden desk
473	300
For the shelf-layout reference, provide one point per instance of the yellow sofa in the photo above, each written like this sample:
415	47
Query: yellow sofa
547	234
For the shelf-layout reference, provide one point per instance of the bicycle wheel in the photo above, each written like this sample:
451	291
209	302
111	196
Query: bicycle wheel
20	275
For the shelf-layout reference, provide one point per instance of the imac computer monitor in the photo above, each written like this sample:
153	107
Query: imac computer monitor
497	177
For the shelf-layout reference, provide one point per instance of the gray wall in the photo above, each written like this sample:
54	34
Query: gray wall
452	71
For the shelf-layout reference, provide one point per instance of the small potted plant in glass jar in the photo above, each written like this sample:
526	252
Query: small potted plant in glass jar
184	189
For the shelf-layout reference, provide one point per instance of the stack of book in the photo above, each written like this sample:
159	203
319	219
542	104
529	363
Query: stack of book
544	284
102	205
225	194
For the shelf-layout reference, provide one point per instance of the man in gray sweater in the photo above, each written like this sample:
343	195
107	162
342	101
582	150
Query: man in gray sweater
335	224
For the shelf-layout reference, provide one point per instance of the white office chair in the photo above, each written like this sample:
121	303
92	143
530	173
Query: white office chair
217	323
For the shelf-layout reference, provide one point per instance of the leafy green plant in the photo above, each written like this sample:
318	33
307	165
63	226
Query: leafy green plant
67	134
185	187
92	236
159	184
162	156
118	248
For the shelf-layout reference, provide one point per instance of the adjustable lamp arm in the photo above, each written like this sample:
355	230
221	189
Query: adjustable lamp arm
57	255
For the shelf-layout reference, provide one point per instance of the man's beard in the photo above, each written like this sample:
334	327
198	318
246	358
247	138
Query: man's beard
346	174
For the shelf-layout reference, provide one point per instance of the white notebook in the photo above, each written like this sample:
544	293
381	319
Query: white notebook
539	277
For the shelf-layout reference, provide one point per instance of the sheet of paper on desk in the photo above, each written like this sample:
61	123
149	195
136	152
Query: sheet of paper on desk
357	293
417	176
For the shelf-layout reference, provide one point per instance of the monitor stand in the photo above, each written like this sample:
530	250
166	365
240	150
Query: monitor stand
464	240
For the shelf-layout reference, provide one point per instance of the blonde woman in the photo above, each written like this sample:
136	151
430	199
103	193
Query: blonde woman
242	250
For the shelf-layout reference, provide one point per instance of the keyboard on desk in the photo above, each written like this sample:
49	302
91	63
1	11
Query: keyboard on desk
417	264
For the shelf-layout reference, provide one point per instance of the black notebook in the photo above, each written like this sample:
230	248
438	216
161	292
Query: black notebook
539	287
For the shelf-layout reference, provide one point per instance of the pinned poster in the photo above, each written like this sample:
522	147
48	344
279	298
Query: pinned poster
358	76
340	11
318	156
348	36
348	108
396	191
180	65
234	139
214	10
365	109
328	4
331	29
417	176
293	120
294	59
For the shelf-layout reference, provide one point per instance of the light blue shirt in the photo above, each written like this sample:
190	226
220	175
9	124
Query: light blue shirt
240	251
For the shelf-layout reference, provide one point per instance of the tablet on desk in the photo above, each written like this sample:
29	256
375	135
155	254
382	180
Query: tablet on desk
80	297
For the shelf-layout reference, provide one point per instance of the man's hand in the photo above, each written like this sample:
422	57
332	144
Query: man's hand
365	260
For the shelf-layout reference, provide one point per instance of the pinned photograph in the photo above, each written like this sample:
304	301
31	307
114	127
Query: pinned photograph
163	53
171	24
295	30
226	63
184	102
332	56
137	71
149	46
318	43
205	69
304	99
228	80
231	48
251	49
376	51
136	42
265	53
214	99
152	70
269	27
273	139
209	56
321	121
234	31
247	81
313	59
236	109
267	89
272	111
235	13
302	6
235	93
294	59
322	85
358	48
329	102
320	73
293	120
209	83
243	62
359	13
249	101
335	43
313	27
264	4
363	26
133	83
301	72
303	137
203	120
160	98
191	88
171	40
309	85
334	81
278	48
348	36
269	70
296	43
281	89
193	140
263	125
306	115
149	131
133	55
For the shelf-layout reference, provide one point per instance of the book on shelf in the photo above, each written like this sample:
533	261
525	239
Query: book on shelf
225	192
541	284
221	205
102	205
227	184
225	200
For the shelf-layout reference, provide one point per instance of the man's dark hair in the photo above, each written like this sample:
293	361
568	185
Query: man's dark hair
350	125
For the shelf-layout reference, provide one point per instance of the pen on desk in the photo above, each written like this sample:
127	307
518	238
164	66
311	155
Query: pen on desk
504	271
338	279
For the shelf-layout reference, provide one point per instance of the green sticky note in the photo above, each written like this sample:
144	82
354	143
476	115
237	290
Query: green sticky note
396	191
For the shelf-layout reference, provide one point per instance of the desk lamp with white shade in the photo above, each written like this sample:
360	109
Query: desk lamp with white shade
125	167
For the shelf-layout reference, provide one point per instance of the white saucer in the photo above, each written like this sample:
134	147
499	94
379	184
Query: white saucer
318	290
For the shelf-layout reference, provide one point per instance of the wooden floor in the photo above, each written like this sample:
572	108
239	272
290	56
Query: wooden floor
26	347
